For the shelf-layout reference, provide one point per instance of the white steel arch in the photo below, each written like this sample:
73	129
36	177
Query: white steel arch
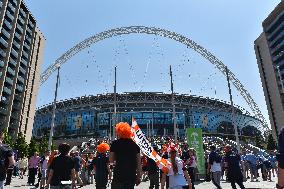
163	33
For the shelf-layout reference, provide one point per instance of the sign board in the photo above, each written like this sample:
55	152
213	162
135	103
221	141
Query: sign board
194	140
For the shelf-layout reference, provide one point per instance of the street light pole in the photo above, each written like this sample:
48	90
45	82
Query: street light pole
114	119
53	112
173	104
233	112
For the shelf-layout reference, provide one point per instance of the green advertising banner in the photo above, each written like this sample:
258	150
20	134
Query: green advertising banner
194	140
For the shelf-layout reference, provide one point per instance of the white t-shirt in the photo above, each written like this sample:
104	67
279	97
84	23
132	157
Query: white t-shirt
216	167
194	163
176	180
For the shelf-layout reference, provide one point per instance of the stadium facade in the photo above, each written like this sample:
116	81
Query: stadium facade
94	115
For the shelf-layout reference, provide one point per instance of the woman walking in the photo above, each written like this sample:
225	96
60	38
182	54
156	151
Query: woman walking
178	176
191	164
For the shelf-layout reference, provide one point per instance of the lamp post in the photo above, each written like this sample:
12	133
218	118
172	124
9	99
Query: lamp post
233	112
173	104
114	92
53	112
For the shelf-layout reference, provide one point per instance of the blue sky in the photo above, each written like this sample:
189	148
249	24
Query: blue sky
226	28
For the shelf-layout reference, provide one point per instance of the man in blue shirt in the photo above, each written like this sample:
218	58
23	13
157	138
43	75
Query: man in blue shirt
252	160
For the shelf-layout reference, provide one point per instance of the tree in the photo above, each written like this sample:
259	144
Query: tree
271	145
259	141
8	139
21	145
43	145
33	147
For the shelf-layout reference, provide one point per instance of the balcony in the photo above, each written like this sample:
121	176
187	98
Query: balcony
3	42
11	7
11	71
2	53
21	21
3	111
23	13
9	81
28	39
19	88
25	55
5	33
21	79
31	25
17	45
29	31
17	106
19	27
17	97
10	16
7	90
7	24
15	2
26	46
2	63
14	53
13	62
22	70
18	36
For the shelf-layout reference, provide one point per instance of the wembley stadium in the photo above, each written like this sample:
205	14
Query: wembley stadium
93	116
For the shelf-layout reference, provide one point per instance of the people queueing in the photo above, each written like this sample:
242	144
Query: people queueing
62	170
153	172
280	160
126	155
6	159
178	176
234	173
214	166
101	165
33	168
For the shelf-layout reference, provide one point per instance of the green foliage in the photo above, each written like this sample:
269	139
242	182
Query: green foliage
33	147
8	139
259	141
43	145
271	145
21	145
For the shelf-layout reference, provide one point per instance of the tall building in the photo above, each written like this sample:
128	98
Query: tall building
21	56
269	49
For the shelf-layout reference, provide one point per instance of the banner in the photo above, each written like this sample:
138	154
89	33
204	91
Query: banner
194	140
145	146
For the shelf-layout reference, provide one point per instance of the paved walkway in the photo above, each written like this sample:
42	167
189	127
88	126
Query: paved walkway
21	183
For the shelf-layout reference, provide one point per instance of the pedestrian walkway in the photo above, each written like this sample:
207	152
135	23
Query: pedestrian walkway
22	183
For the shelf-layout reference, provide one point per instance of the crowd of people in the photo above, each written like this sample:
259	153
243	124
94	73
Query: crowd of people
120	164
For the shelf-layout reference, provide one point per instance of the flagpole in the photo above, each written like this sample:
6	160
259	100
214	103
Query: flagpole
53	112
114	91
173	104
